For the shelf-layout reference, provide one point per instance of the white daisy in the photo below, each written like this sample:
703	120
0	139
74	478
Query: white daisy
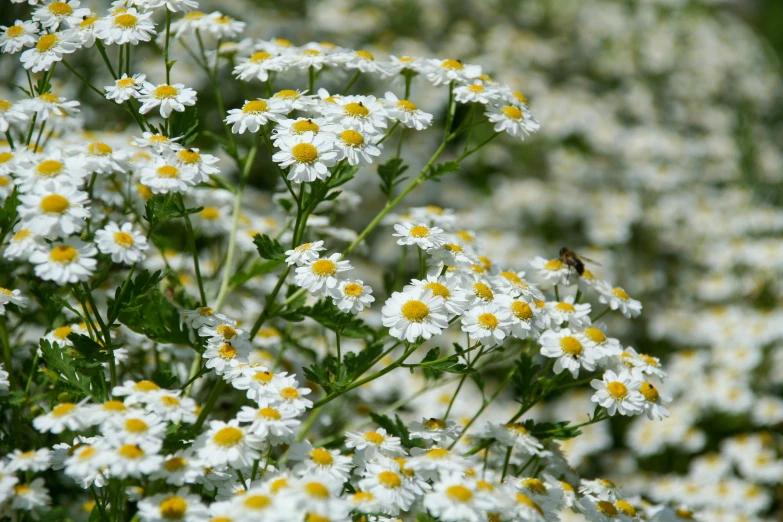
353	296
291	100
289	399
436	430
552	270
49	104
618	299
30	496
363	61
258	66
363	113
385	481
271	424
372	442
14	297
158	142
145	430
222	356
414	314
476	92
446	71
64	416
69	261
455	299
129	460
33	460
304	254
136	392
320	276
319	462
173	506
123	244
514	434
513	120
568	350
49	49
228	444
307	157
420	235
193	158
65	12
619	393
223	27
575	314
605	347
163	178
179	468
203	316
457	499
407	113
355	147
296	127
254	114
488	324
125	88
125	26
10	115
169	97
654	402
18	36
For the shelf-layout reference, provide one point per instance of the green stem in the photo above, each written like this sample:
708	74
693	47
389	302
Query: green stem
485	405
106	335
462	381
194	252
102	50
166	49
505	463
601	314
7	353
351	82
211	400
422	264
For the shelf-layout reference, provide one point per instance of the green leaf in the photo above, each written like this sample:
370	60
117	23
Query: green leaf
345	175
156	317
269	248
88	349
390	174
256	269
441	169
134	292
356	363
397	428
434	366
328	315
159	208
61	368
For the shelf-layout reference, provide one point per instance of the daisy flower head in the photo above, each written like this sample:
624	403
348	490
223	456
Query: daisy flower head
362	113
168	97
436	430
404	65
291	100
525	317
453	254
223	356
595	338
372	442
253	504
30	496
414	314
136	392
654	405
174	6
64	416
386	482
173	506
362	60
353	296
552	270
356	146
258	66
406	112
455	498
514	284
488	324
319	498
67	12
642	363
568	351
14	297
288	398
69	261
203	316
319	462
145	430
123	244
125	88
575	314
228	444
157	142
85	31
49	104
10	114
455	299
226	332
130	460
18	36
100	157
193	158
296	127
619	393
254	114
307	157
223	27
420	235
49	49
516	435
513	120
162	177
618	299
125	26
441	72
32	460
51	168
320	277
171	407
476	92
273	425
304	254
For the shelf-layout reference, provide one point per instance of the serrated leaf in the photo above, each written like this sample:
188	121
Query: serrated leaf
390	174
61	367
157	318
269	248
328	315
441	169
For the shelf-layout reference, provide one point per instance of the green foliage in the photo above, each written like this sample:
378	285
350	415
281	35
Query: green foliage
256	269
391	174
434	367
156	317
441	169
329	316
130	295
397	428
161	207
60	369
269	248
333	378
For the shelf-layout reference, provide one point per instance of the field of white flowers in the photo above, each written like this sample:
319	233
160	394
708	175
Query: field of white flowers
381	260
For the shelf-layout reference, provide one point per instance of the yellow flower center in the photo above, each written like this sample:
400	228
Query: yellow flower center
49	168
617	389
123	239
175	464
165	91
63	409
367	55
130	451
63	254
407	106
88	22
517	428
565	307
15	32
269	413
173	508
324	268
521	310
260	56
625	508
684	514
264	377
228	436
126	82
352	138
255	107
49	98
488	321
459	493
452	64
304	152
554	265
483	292
302	126
22	489
22	234
136	426
357	109
451	247
353	289
226	331
571	346
362	496
146	386
322	457
87	453
595	335
144	191
476	88
521	97
126	21
114	406
5	157
210	213
373	437
257	502
99	149
606	508
289	393
191	157
438	453
60	9
512	112
389	479
168	171
287	94
434	424
483	485
316	489
438	289
227	351
415	311
511	276
55	204
170	401
566	486
534	486
650	392
419	231
278	484
622	294
527	501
